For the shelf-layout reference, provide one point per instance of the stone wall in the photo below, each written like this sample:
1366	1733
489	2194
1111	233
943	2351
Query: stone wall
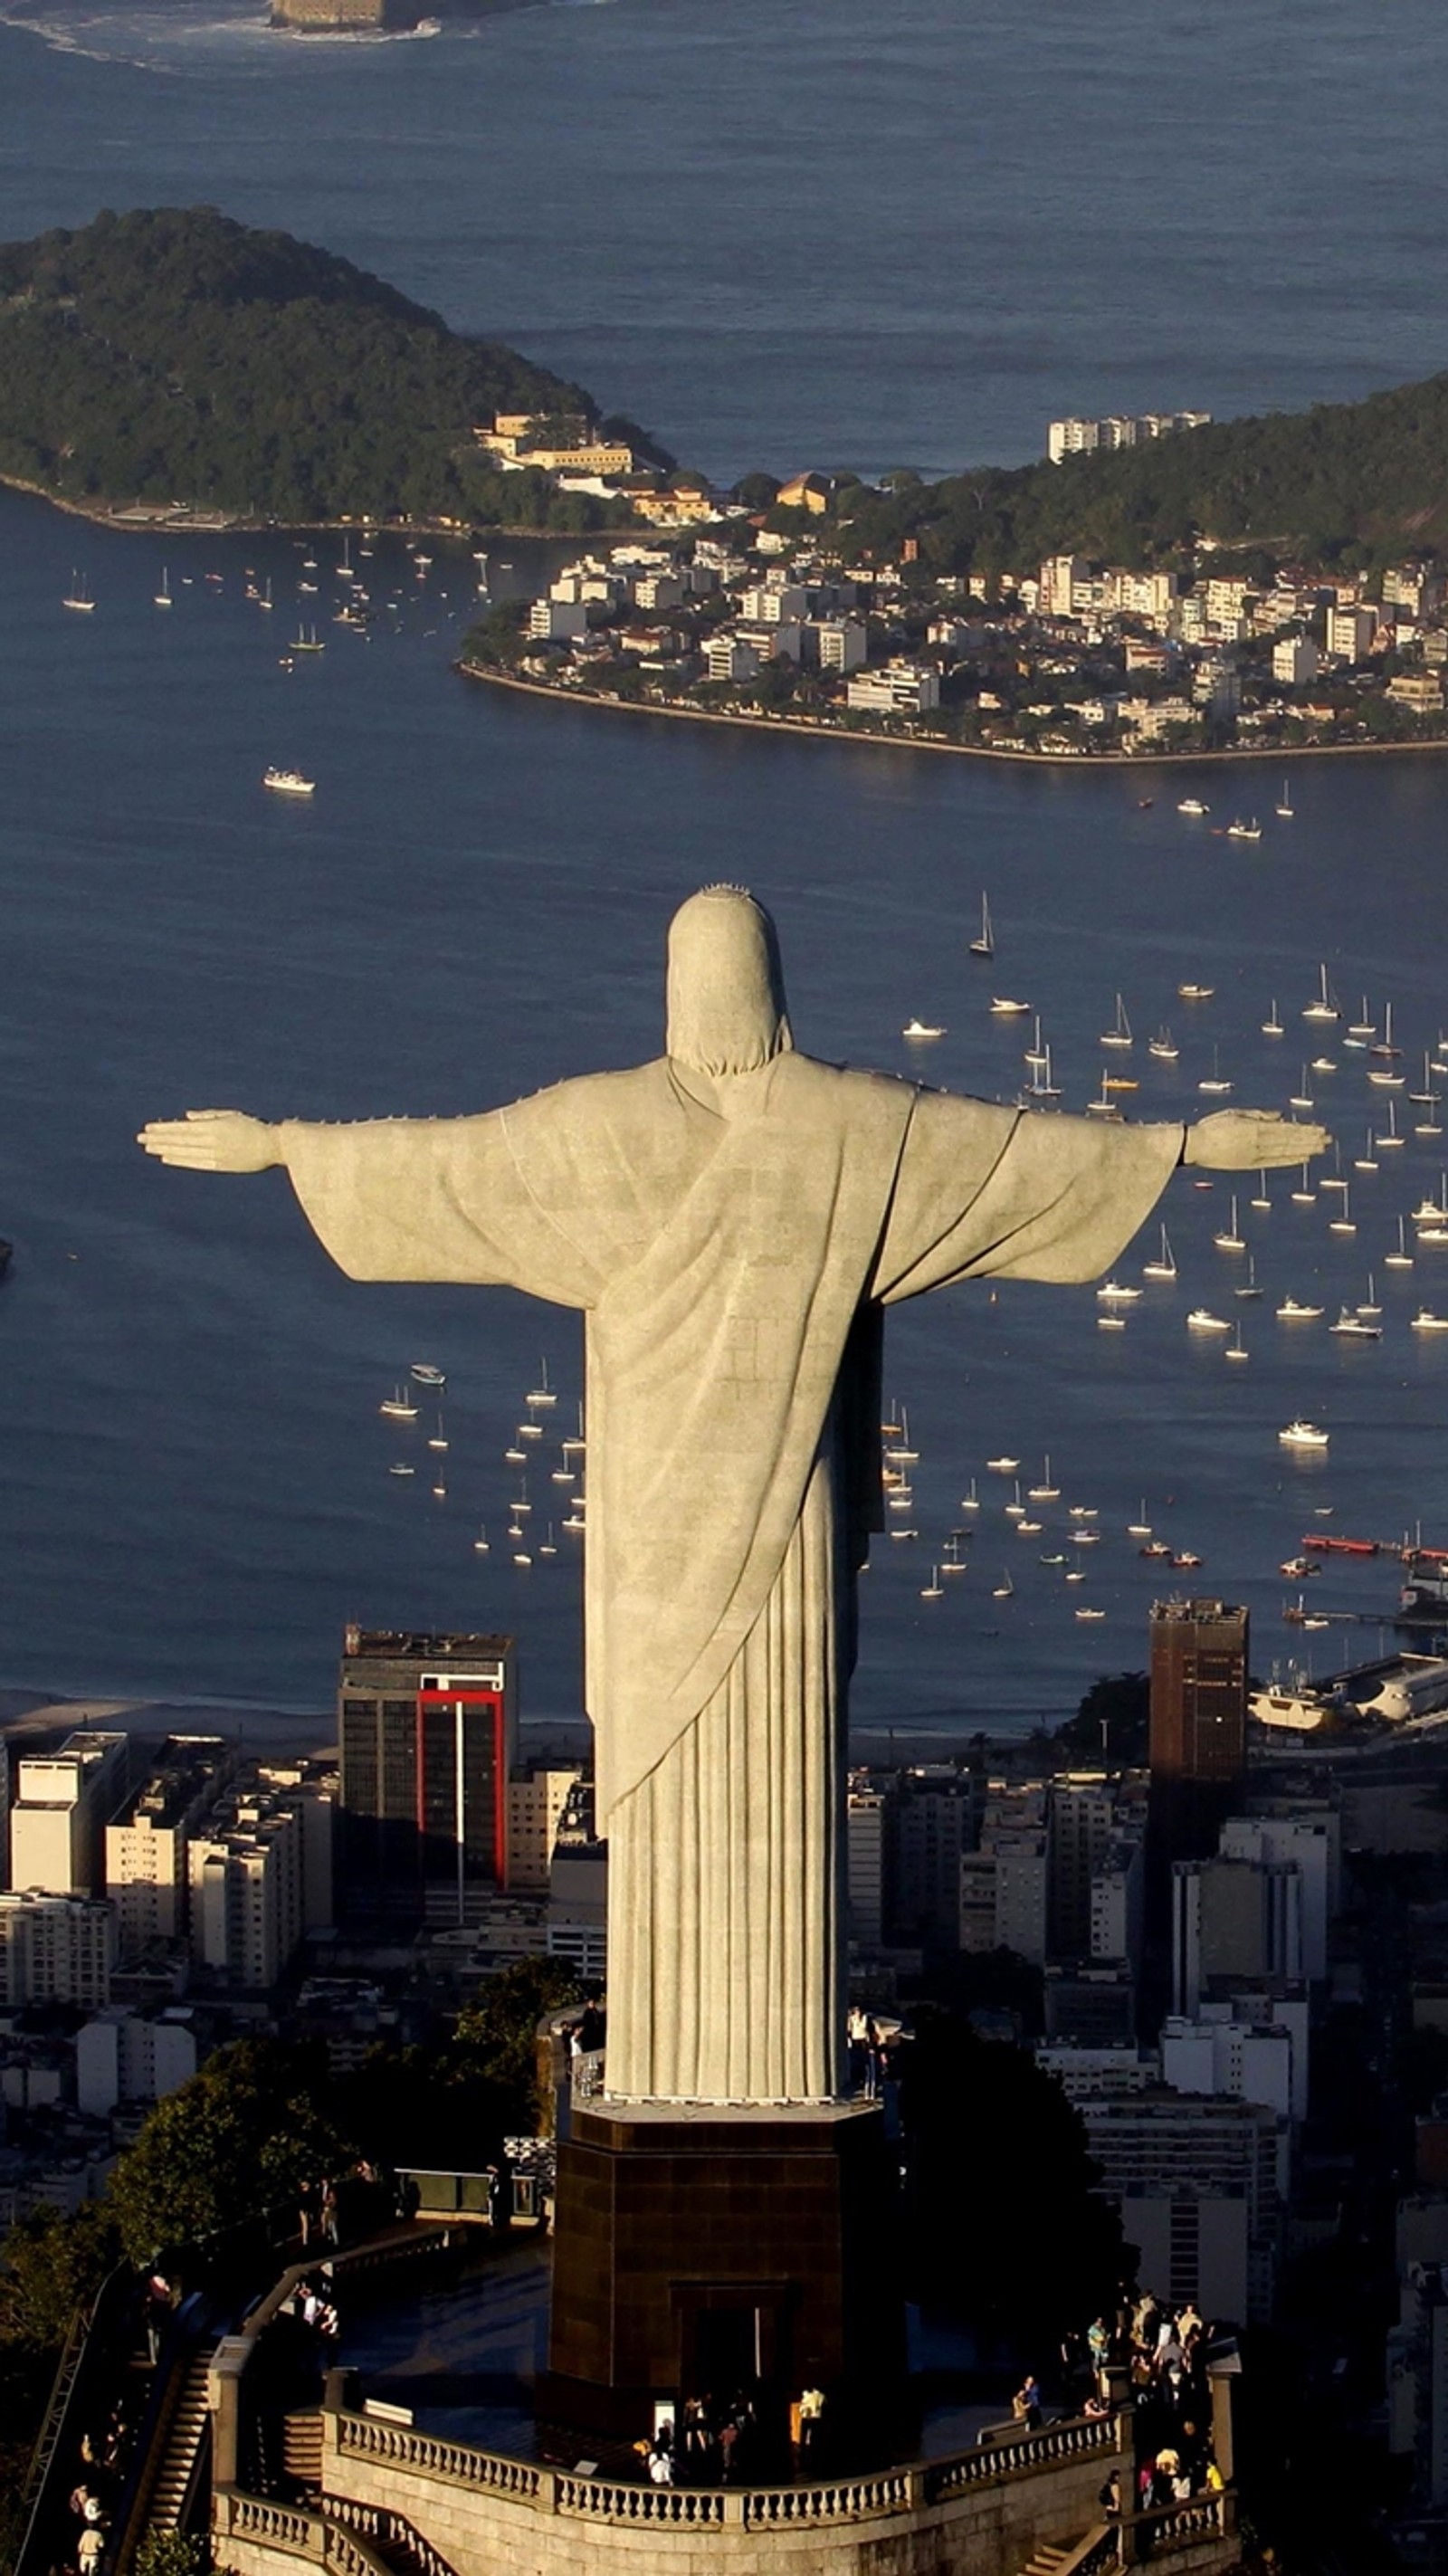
319	16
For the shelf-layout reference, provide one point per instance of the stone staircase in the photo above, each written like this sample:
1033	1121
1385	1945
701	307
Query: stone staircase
184	2437
302	2449
1048	2561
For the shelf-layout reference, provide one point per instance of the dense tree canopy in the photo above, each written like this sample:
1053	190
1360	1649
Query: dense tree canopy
173	355
1348	482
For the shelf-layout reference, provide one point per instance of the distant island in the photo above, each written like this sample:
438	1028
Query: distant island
1269	585
172	362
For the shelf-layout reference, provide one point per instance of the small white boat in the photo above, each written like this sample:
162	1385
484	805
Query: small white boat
1036	1053
399	1406
480	1543
1364	1026
934	1590
1192	805
1002	1591
921	1029
1304	1195
1113	1293
1202	1320
400	1468
162	598
1237	1349
288	782
1085	1612
1324	1008
1215	1082
1402	1259
1248	831
970	1502
1369	1306
1248	1287
542	1393
1110	1323
1301	1098
1005	1009
1229	1239
1164	1046
1284	805
1293	1311
1272	1025
1119	1033
1425	1321
1163	1264
1342	1223
1385	1046
1002	1466
983	945
1303	1435
78	596
1045	1492
1195	992
426	1374
1355	1328
1390	1140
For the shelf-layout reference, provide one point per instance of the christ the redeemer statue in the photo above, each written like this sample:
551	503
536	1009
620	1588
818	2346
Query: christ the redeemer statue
732	1219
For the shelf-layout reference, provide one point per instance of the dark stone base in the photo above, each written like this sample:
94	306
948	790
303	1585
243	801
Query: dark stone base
700	2252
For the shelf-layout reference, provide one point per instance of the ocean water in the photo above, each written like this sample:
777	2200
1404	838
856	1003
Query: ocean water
852	234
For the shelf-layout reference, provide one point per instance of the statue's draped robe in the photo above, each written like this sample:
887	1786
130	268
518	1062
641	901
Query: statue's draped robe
731	1261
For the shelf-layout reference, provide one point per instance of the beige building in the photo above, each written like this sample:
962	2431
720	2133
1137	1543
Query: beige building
55	1949
145	1841
62	1801
536	1801
246	1870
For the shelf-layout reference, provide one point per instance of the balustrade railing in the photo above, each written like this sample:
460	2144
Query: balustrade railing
829	2500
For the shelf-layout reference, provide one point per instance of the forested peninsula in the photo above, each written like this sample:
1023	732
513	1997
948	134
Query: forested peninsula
173	356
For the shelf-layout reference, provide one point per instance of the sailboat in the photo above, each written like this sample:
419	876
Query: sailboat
1392	1140
1367	1160
1041	1086
1164	1264
1216	1080
1002	1591
1342	1223
1119	1033
399	1405
1036	1053
1164	1046
1272	1025
1304	1195
78	596
266	600
1324	1008
900	1453
305	641
1248	1287
480	1543
1236	1349
1301	1099
984	944
934	1590
1370	1309
1045	1492
542	1393
1141	1526
1263	1197
1229	1239
1402	1259
1385	1044
1284	805
1364	1026
162	597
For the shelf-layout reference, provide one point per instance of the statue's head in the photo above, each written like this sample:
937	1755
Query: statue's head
726	990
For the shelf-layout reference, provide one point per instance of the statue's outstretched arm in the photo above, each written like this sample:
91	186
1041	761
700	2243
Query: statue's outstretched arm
214	1140
1250	1140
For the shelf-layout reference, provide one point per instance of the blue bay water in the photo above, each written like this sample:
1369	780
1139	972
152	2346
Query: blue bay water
856	234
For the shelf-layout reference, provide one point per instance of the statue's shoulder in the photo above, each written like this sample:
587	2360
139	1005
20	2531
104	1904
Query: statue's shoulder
844	1091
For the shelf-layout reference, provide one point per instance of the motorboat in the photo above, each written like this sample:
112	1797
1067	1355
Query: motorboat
1293	1311
1002	1466
1303	1435
918	1029
1356	1328
1195	992
426	1374
1006	1009
288	782
1202	1320
1113	1293
1244	831
1425	1321
1192	805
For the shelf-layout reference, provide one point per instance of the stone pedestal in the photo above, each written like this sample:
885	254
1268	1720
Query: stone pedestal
702	2250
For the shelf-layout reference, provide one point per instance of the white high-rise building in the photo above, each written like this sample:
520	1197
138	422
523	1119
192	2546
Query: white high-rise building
55	1949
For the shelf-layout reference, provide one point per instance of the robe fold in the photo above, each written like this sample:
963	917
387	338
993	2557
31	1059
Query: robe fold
731	1262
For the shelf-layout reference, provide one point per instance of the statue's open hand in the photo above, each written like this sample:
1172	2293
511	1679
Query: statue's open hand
1251	1140
212	1140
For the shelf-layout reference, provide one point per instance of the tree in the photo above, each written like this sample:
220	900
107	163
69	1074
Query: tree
1111	1722
1008	2232
495	2041
53	2265
243	2135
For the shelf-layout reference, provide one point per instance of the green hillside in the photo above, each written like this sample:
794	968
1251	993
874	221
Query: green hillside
1353	483
173	355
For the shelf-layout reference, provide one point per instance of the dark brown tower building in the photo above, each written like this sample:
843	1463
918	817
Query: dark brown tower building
1198	1733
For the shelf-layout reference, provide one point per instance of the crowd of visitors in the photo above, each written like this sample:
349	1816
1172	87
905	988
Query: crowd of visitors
1155	2355
713	2444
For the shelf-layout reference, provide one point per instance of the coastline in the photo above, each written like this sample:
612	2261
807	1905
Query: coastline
812	731
135	519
